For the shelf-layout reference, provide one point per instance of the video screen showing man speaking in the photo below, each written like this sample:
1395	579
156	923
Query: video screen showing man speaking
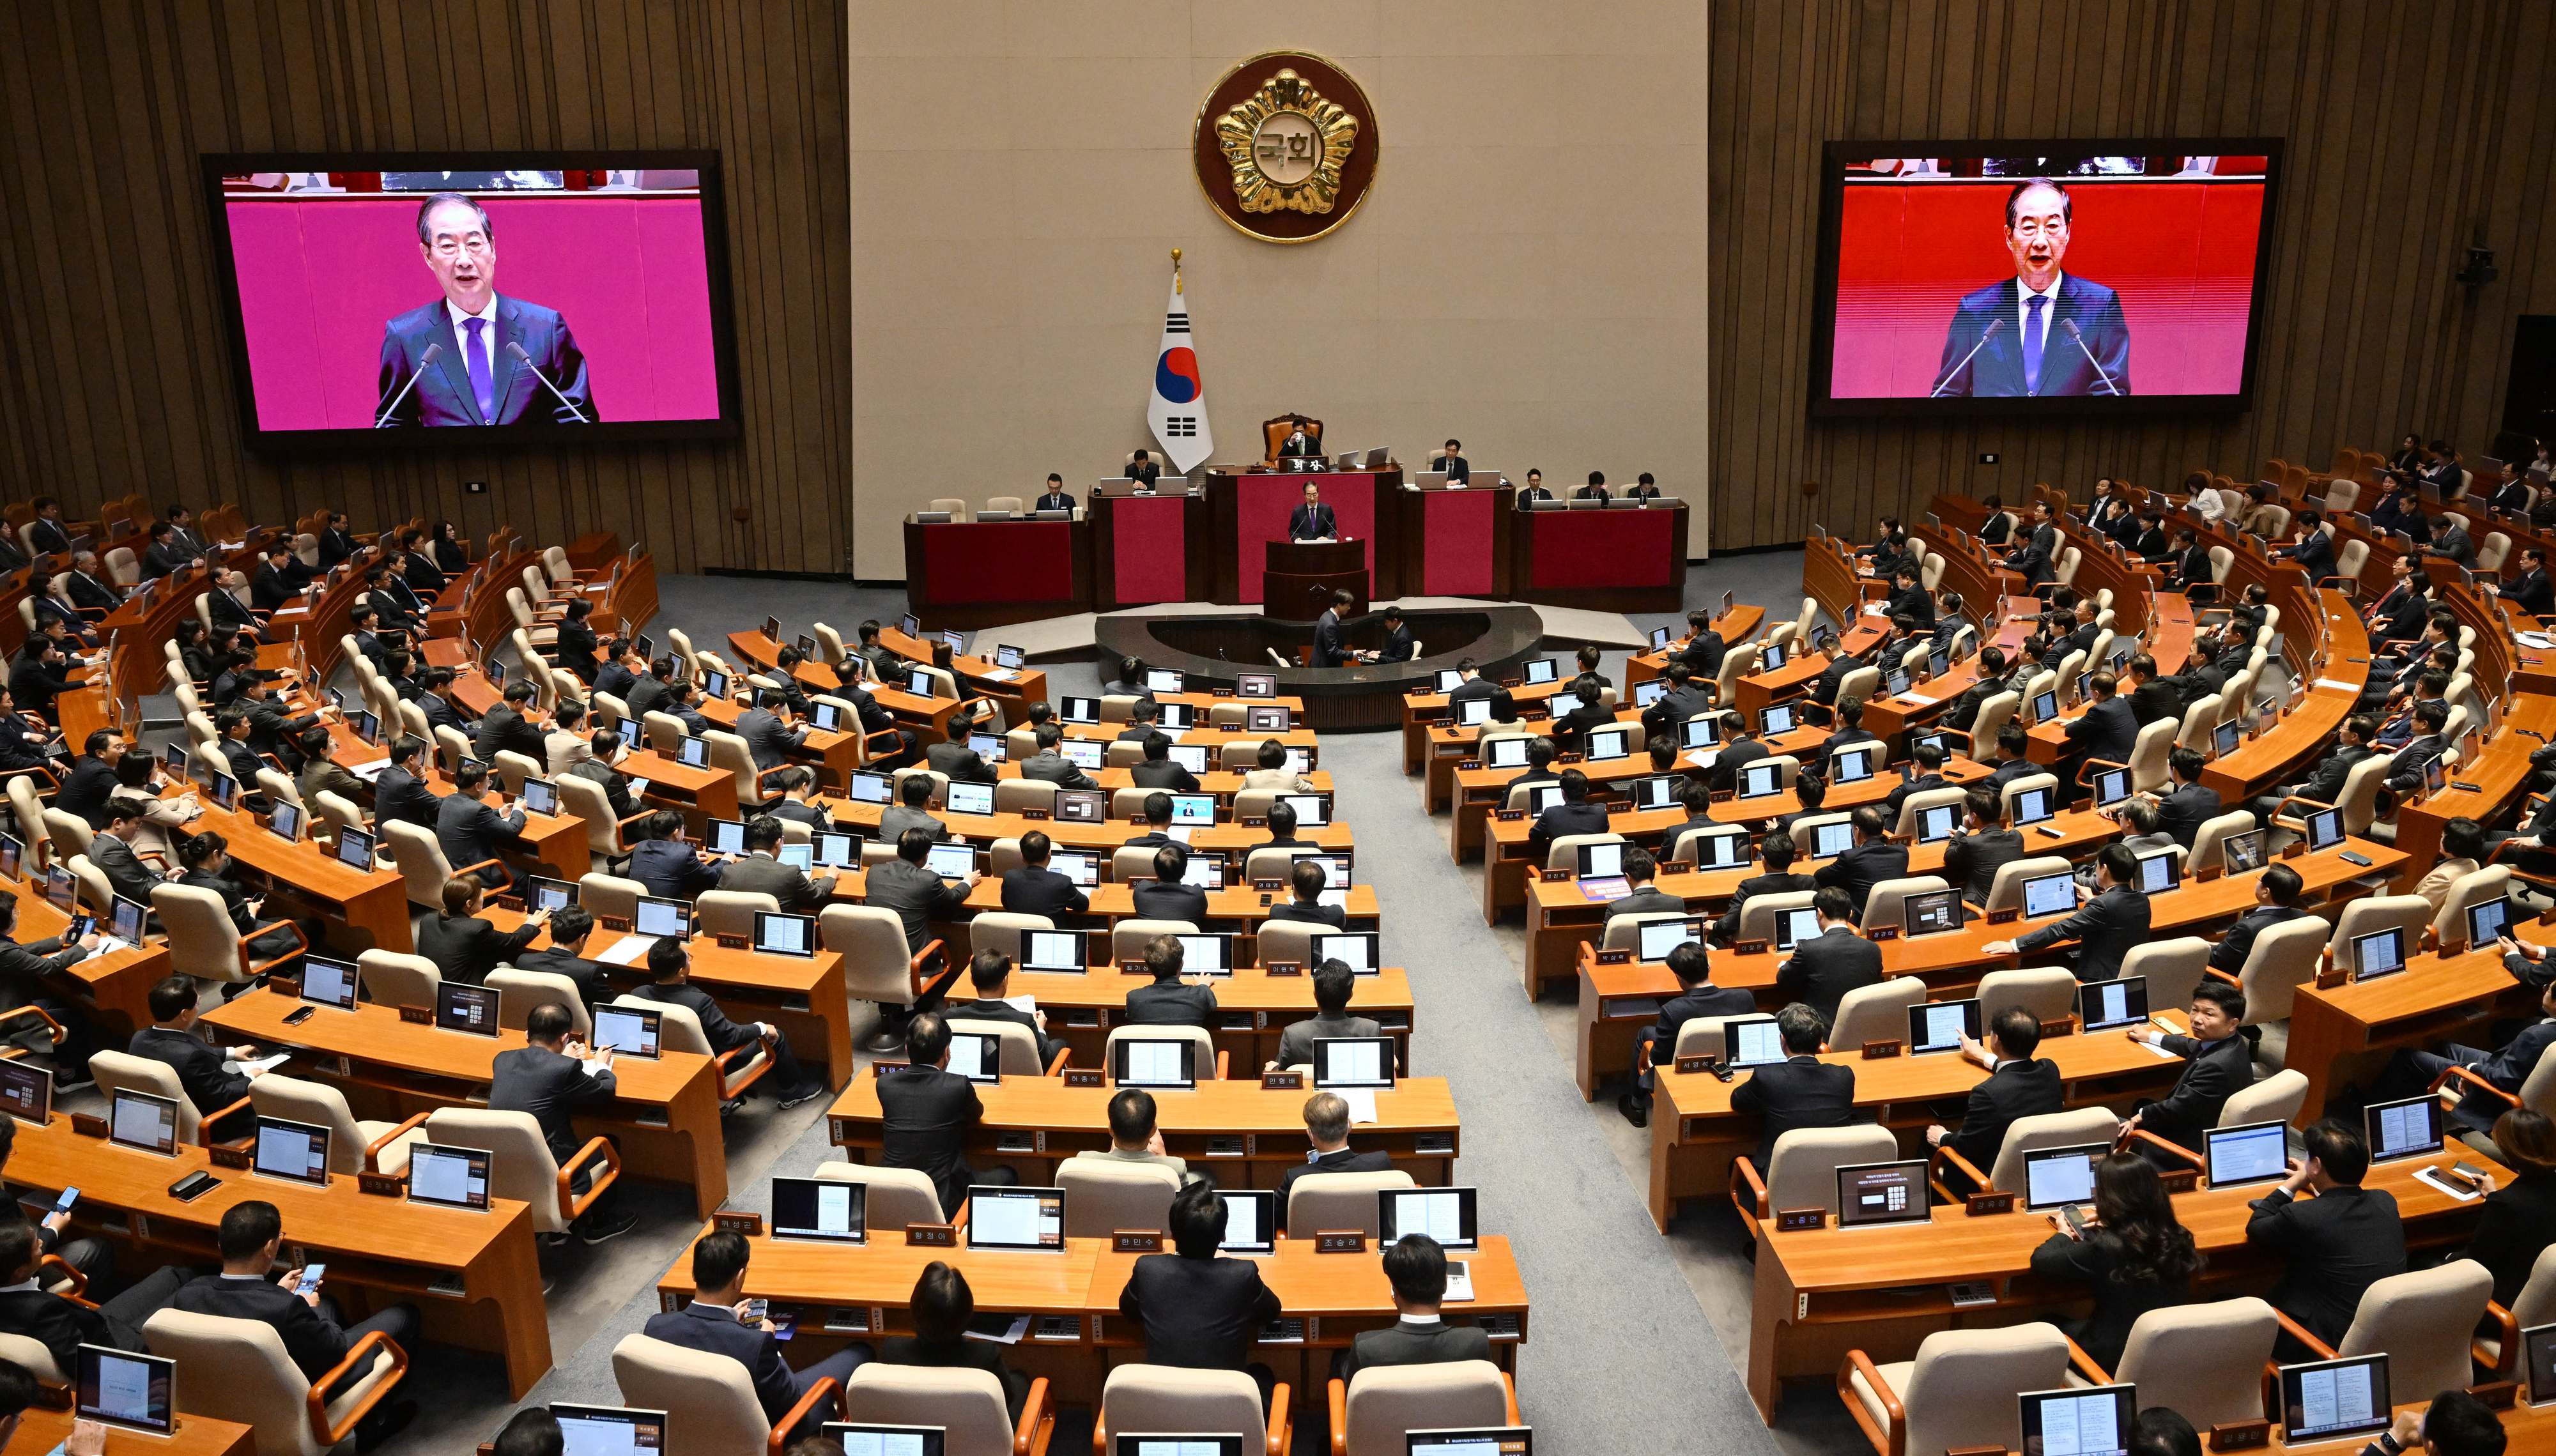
515	300
2029	276
456	361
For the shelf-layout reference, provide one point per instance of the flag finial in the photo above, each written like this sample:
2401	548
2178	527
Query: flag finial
1176	270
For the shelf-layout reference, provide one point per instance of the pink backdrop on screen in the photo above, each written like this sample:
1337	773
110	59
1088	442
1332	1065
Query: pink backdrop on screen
2181	255
318	276
1264	504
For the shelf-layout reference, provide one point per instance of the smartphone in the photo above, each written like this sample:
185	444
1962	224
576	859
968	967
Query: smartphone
297	1017
2349	858
2470	1171
2076	1220
79	927
754	1312
63	1204
310	1281
193	1185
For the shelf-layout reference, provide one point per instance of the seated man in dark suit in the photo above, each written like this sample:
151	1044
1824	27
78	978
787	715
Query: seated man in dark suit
1159	771
1397	641
2276	903
954	760
1200	1309
1740	746
402	794
762	873
991	974
472	835
2324	784
1416	1266
513	725
1972	858
1334	984
670	971
941	1306
1570	731
2105	928
2335	1244
713	1323
1645	898
1907	598
1052	766
251	1236
1825	967
926	1114
2413	1070
570	926
1166	897
1697	997
1573	815
670	868
62	1324
2106	732
1777	852
464	947
1327	1126
1167	1002
1539	765
2013	739
1927	758
1871	860
1849	732
1056	498
911	811
1036	890
2018	1085
1801	1091
2219	1063
547	1077
171	1039
2190	804
769	741
1306	878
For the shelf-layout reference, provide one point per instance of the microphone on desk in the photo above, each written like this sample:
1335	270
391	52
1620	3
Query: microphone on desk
1995	326
432	353
2070	325
516	349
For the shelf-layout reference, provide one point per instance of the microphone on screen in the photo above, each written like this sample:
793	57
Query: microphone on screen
2070	325
516	349
1995	326
424	361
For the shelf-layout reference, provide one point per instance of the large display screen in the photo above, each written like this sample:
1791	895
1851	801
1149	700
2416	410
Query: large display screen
439	299
2043	277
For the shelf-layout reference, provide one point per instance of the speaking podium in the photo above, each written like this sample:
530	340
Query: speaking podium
1298	577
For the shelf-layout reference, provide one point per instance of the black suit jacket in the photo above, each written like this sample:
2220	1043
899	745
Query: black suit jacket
723	1034
2229	953
444	395
1171	1004
2155	700
398	796
1033	891
1169	899
501	727
1706	1000
1971	860
1049	766
760	874
958	760
1326	637
61	1325
1333	916
1406	1343
2214	1073
1824	968
1804	1092
85	792
1587	816
1198	1313
552	1087
2183	812
466	948
1165	775
1861	868
1004	1011
2016	1089
2105	928
2517	1226
2108	730
714	1330
1312	522
916	896
2339	1244
198	1068
1997	367
310	1338
926	1113
470	831
1727	929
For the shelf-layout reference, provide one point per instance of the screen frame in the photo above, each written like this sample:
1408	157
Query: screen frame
213	167
1834	157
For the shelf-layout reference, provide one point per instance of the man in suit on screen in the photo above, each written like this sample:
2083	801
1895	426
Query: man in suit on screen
475	378
2042	332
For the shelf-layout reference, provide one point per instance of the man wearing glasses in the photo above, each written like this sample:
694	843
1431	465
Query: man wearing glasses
495	360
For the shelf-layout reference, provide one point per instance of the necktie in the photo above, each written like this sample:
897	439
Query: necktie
2031	343
475	354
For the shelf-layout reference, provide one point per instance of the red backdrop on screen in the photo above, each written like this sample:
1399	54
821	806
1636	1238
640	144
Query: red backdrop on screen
2181	255
318	276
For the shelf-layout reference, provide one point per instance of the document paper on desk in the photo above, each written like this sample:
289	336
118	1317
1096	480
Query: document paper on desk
999	1329
371	772
260	1063
1361	1101
629	950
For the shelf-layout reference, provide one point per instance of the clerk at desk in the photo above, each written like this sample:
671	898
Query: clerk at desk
1055	499
1313	520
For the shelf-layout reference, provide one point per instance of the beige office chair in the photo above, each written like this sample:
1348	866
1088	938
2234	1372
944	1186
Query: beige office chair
2534	1305
1887	905
1912	809
967	1405
1210	1064
1960	1390
1876	1012
1290	942
1757	917
353	1146
1801	1170
877	967
1220	1403
680	1029
2474	888
2022	1135
237	1370
1564	853
1128	937
1103	1196
518	992
710	1401
1000	932
1320	1202
731	911
422	865
521	1166
893	1197
2204	1361
203	942
1376	1409
2174	967
2048	991
2281	960
2005	892
1624	933
2206	849
2420	1321
397	978
1011	795
118	1072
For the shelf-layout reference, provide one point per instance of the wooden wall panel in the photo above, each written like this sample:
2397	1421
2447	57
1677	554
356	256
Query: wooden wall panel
118	372
2409	127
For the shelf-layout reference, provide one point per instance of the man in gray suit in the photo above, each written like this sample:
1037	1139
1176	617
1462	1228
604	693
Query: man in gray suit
766	737
762	873
545	1077
1052	766
1417	1268
908	813
1333	984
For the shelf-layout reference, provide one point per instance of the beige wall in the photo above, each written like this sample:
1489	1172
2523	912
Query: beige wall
1020	170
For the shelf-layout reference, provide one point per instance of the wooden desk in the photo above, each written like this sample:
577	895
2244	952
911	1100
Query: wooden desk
1819	1293
371	908
2436	997
2306	732
664	1112
698	795
1255	1009
1229	839
1036	1123
42	1430
473	1275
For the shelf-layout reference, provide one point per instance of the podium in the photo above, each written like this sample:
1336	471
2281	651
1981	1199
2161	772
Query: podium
1298	577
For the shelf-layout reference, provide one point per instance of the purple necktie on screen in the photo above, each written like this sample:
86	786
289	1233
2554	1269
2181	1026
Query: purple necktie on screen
475	354
2032	347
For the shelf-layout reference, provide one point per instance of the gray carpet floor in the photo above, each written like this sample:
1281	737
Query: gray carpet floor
1635	1339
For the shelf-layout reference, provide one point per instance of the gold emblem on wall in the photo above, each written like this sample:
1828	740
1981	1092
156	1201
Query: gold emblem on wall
1285	147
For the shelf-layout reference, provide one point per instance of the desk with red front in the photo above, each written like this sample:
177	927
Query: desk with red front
966	574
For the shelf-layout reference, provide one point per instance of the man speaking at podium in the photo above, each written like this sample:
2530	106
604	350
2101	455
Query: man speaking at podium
2041	332
497	360
1313	520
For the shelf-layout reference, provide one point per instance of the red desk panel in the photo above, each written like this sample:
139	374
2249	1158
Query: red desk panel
1584	550
1000	560
1456	541
1262	504
1150	548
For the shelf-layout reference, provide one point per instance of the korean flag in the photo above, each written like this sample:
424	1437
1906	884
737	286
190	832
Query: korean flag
1177	409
